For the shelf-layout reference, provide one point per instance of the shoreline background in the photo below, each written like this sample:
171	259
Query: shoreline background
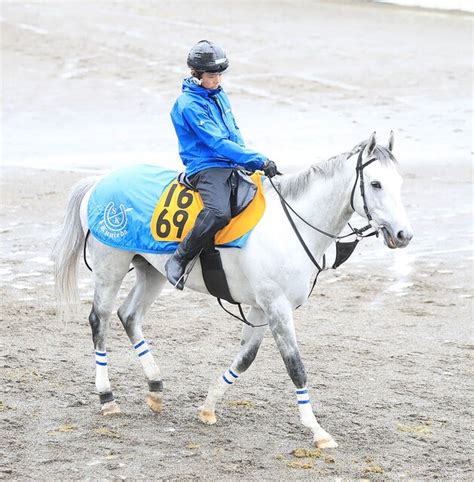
450	5
93	89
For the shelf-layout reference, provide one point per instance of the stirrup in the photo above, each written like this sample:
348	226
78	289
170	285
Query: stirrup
184	277
182	280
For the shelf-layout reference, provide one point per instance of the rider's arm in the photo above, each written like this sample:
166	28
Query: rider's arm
238	134
202	124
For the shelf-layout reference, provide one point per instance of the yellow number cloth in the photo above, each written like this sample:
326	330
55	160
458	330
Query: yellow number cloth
178	207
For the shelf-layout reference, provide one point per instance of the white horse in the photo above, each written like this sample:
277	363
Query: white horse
271	273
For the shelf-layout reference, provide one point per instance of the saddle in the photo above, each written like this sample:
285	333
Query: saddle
243	191
179	205
143	208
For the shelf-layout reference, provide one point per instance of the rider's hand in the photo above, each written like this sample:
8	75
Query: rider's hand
270	169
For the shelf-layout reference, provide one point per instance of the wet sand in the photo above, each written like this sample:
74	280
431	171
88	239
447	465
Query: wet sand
386	339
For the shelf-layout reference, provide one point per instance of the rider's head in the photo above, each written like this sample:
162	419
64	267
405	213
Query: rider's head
207	62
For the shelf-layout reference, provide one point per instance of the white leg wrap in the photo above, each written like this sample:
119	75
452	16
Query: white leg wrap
102	382
306	412
302	395
150	368
218	388
307	416
230	377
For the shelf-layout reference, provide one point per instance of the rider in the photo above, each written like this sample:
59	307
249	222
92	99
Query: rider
211	147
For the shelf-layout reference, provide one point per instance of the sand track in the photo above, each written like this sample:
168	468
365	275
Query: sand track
386	339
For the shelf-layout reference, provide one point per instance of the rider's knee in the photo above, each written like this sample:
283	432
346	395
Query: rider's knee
221	218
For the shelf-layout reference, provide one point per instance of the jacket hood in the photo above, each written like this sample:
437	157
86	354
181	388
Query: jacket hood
190	87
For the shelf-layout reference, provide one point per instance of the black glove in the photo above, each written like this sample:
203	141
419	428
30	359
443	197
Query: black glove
270	169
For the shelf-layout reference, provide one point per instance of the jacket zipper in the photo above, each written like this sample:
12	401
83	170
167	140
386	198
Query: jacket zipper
214	98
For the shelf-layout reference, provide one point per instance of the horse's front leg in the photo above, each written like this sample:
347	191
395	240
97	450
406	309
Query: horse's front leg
280	320
249	345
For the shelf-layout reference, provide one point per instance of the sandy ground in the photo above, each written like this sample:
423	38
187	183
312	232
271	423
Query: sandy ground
386	351
386	339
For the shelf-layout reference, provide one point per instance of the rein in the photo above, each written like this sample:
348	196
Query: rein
343	250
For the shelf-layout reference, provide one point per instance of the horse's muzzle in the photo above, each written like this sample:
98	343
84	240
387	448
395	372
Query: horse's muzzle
400	240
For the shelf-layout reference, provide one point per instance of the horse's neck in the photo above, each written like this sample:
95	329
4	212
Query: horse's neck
324	203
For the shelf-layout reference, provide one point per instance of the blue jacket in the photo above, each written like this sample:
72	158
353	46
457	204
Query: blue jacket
207	133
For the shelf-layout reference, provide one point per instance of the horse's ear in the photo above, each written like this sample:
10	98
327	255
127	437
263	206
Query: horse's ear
369	148
390	141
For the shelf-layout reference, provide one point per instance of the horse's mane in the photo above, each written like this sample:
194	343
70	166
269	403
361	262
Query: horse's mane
294	185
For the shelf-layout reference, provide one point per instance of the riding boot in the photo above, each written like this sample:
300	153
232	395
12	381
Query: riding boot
175	269
207	224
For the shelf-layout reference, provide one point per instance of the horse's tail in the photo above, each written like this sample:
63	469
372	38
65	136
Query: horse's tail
67	250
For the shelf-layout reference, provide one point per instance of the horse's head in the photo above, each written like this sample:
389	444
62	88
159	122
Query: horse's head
376	194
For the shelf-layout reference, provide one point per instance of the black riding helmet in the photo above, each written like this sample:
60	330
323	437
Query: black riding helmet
206	56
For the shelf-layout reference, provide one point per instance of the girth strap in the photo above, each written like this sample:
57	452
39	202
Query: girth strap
214	275
216	283
242	314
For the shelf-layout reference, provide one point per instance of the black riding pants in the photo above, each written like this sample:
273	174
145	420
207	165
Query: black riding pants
215	188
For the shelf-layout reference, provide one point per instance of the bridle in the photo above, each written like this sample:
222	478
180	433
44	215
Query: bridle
360	176
343	249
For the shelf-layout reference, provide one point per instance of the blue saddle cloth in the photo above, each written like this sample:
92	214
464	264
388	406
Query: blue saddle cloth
122	204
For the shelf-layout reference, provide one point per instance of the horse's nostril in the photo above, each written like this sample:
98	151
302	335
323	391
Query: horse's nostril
401	235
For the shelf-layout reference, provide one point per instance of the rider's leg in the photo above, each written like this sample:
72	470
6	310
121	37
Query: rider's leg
215	191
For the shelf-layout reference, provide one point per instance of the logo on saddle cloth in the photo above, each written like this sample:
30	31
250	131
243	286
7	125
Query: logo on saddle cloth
178	208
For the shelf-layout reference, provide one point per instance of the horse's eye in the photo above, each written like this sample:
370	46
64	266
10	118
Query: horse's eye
376	184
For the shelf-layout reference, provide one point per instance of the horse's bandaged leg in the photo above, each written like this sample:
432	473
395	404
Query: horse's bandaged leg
102	382
230	377
249	345
206	412
321	438
152	372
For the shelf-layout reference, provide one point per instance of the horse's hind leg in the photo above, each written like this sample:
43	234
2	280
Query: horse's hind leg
249	345
149	283
109	269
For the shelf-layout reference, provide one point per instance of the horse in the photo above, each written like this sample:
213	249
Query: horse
271	273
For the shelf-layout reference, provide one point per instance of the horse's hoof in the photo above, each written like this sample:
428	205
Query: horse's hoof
325	443
207	416
154	401
110	408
